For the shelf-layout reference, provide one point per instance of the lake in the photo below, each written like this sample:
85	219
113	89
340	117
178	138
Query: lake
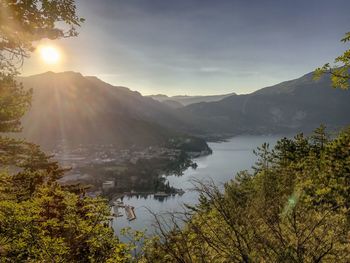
227	159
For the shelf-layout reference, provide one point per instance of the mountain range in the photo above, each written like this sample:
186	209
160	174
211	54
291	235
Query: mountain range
185	100
292	106
84	110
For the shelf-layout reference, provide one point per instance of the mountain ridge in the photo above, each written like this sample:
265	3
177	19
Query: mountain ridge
186	100
295	105
68	106
300	104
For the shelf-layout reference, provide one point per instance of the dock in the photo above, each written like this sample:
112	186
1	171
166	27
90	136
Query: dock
130	213
118	205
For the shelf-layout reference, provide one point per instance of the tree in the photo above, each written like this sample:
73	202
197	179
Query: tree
339	72
294	207
41	221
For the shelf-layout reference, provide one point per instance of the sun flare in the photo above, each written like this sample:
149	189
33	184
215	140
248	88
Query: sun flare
49	55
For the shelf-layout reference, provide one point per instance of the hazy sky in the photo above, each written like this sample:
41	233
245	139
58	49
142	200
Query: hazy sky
201	46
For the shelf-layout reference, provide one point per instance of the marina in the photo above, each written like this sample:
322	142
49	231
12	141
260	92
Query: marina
129	210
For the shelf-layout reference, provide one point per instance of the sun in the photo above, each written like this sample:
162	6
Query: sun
49	54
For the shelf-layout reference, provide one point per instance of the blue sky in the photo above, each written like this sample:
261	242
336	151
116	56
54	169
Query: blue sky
201	46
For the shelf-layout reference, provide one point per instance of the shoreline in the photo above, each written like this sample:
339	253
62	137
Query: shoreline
146	194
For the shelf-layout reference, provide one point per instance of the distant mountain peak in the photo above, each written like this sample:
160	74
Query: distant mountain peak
187	99
51	74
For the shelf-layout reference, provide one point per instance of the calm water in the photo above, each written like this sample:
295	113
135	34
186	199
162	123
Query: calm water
227	159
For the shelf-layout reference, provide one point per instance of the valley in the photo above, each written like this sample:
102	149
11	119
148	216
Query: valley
190	131
119	142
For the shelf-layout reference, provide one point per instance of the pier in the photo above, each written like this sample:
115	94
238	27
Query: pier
130	213
129	210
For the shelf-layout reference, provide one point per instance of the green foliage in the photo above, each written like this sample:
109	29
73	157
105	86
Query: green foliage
14	102
40	221
340	74
293	207
54	225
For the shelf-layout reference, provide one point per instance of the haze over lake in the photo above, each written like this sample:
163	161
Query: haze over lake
227	159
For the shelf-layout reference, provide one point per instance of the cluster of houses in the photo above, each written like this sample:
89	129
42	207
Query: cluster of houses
99	154
88	156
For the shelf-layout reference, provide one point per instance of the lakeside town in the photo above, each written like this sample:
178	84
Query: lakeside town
115	173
